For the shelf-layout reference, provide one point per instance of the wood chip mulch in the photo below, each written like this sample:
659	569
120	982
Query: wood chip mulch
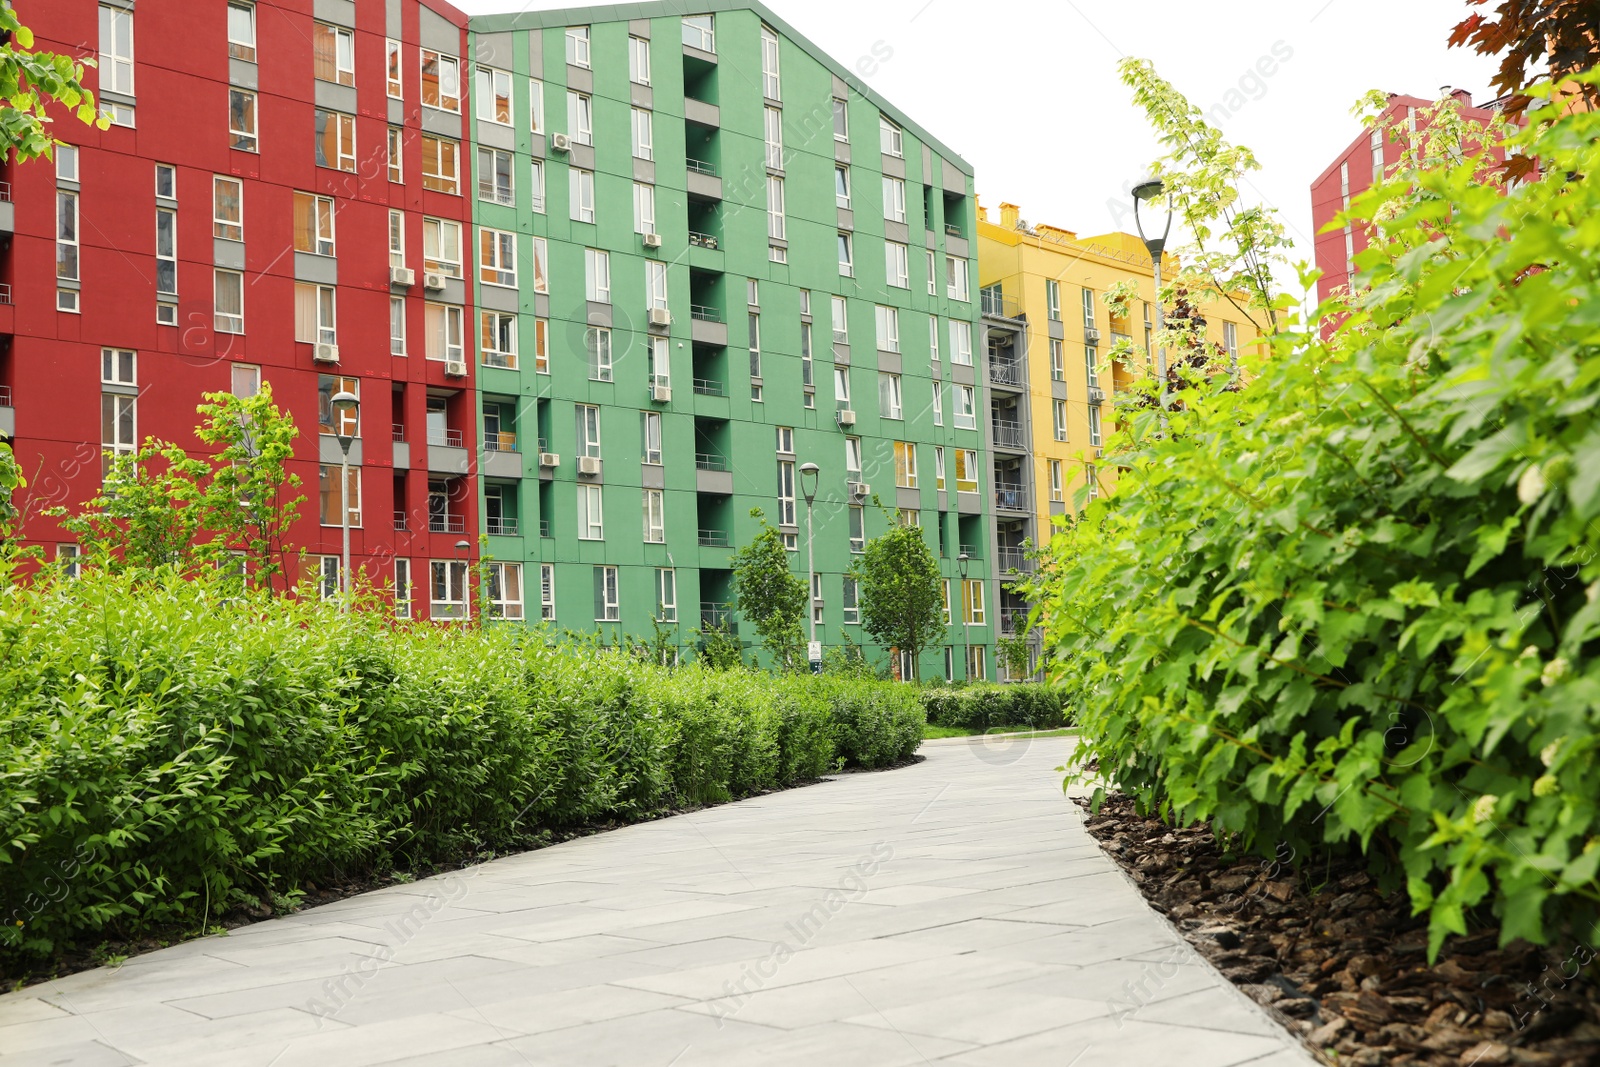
1346	968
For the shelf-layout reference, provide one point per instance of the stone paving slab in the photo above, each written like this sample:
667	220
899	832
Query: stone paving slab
951	912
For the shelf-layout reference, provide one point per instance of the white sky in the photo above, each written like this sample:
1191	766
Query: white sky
1027	90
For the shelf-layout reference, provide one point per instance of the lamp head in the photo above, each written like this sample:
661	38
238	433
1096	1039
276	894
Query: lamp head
808	480
463	546
1149	189
961	562
346	410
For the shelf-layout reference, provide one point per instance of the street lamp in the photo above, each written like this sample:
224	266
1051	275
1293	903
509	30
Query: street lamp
808	486
966	623
1149	189
346	409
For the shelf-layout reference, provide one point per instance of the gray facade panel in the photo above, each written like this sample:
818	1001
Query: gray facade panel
644	170
323	270
893	166
639	28
442	459
597	314
889	362
961	374
8	422
969	503
402	456
719	482
494	135
897	231
956	246
652	476
580	79
243	74
641	95
228	254
495	50
331	97
438	33
709	333
501	465
498	298
847	219
910	499
954	180
703	113
341	12
442	123
329	452
397	112
391	18
704	185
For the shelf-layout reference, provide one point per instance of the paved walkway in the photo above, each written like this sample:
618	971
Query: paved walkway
952	912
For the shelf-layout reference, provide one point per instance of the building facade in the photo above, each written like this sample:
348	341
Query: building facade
595	275
1047	338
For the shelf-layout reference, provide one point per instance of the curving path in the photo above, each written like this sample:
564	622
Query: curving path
955	912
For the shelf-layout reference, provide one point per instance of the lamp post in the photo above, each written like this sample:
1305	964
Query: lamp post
347	422
808	486
1149	189
966	624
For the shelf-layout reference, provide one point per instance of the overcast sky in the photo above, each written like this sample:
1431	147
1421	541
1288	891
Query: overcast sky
1028	92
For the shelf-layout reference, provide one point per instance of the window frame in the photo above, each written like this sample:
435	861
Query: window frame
218	222
443	101
494	100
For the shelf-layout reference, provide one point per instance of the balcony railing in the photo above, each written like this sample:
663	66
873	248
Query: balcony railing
1008	434
970	551
501	442
1011	497
702	240
398	432
704	313
700	166
5	192
715	539
1005	371
716	613
5	292
501	527
445	438
710	461
544	528
952	231
1015	559
707	387
401	523
5	396
447	524
1013	620
998	304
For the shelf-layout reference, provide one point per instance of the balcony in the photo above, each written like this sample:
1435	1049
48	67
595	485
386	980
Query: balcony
700	166
1005	372
996	303
401	523
1008	435
398	433
501	442
702	240
501	527
702	179
1015	559
447	524
970	551
716	613
1010	497
952	231
1013	620
707	387
706	461
704	313
445	438
715	539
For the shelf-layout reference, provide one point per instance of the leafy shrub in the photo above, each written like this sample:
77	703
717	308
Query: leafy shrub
1353	601
168	752
986	707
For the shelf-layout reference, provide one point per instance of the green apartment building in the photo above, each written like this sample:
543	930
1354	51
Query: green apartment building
706	256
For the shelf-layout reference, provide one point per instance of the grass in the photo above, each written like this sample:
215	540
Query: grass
930	732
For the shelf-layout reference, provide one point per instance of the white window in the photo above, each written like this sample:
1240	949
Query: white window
1094	426
441	247
938	403
591	513
597	275
313	224
242	120
403	592
699	31
228	314
66	163
1052	299
897	264
888	320
443	325
314	314
394	85
961	342
536	105
841	120
655	520
227	208
497	257
580	118
497	339
644	137
841	185
889	396
858	528
905	464
655	288
966	470
597	343
966	413
933	280
441	164
397	238
1058	361
774	128
246	380
118	366
785	444
580	191
578	46
66	236
972	601
666	594
541	346
588	421
241	31
441	81
495	182
894	199
933	338
769	64
505	590
1057	494
606	605
333	53
847	255
494	96
1059	419
1230	341
650	434
547	592
852	455
639	60
956	282
644	208
334	499
841	385
536	186
336	140
397	326
329	577
938	467
777	221
116	49
890	141
841	321
448	589
850	602
786	505
1088	309
1091	365
660	361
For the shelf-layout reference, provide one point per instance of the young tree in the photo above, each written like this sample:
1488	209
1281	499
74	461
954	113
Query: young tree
11	480
148	513
901	592
248	498
31	80
1012	653
770	596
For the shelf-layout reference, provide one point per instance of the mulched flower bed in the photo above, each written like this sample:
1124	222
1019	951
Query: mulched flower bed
1346	968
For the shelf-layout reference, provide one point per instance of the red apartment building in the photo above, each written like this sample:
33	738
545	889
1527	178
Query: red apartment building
1353	172
260	210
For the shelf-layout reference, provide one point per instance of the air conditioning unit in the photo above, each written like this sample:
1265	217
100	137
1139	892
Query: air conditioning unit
325	353
660	317
846	417
1096	396
1091	336
560	142
549	459
432	280
456	368
661	394
403	276
589	466
860	489
652	240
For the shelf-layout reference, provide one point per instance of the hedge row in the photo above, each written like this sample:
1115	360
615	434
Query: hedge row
167	754
985	707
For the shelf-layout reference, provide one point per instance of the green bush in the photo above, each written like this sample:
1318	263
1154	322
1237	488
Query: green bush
1353	602
986	707
168	752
